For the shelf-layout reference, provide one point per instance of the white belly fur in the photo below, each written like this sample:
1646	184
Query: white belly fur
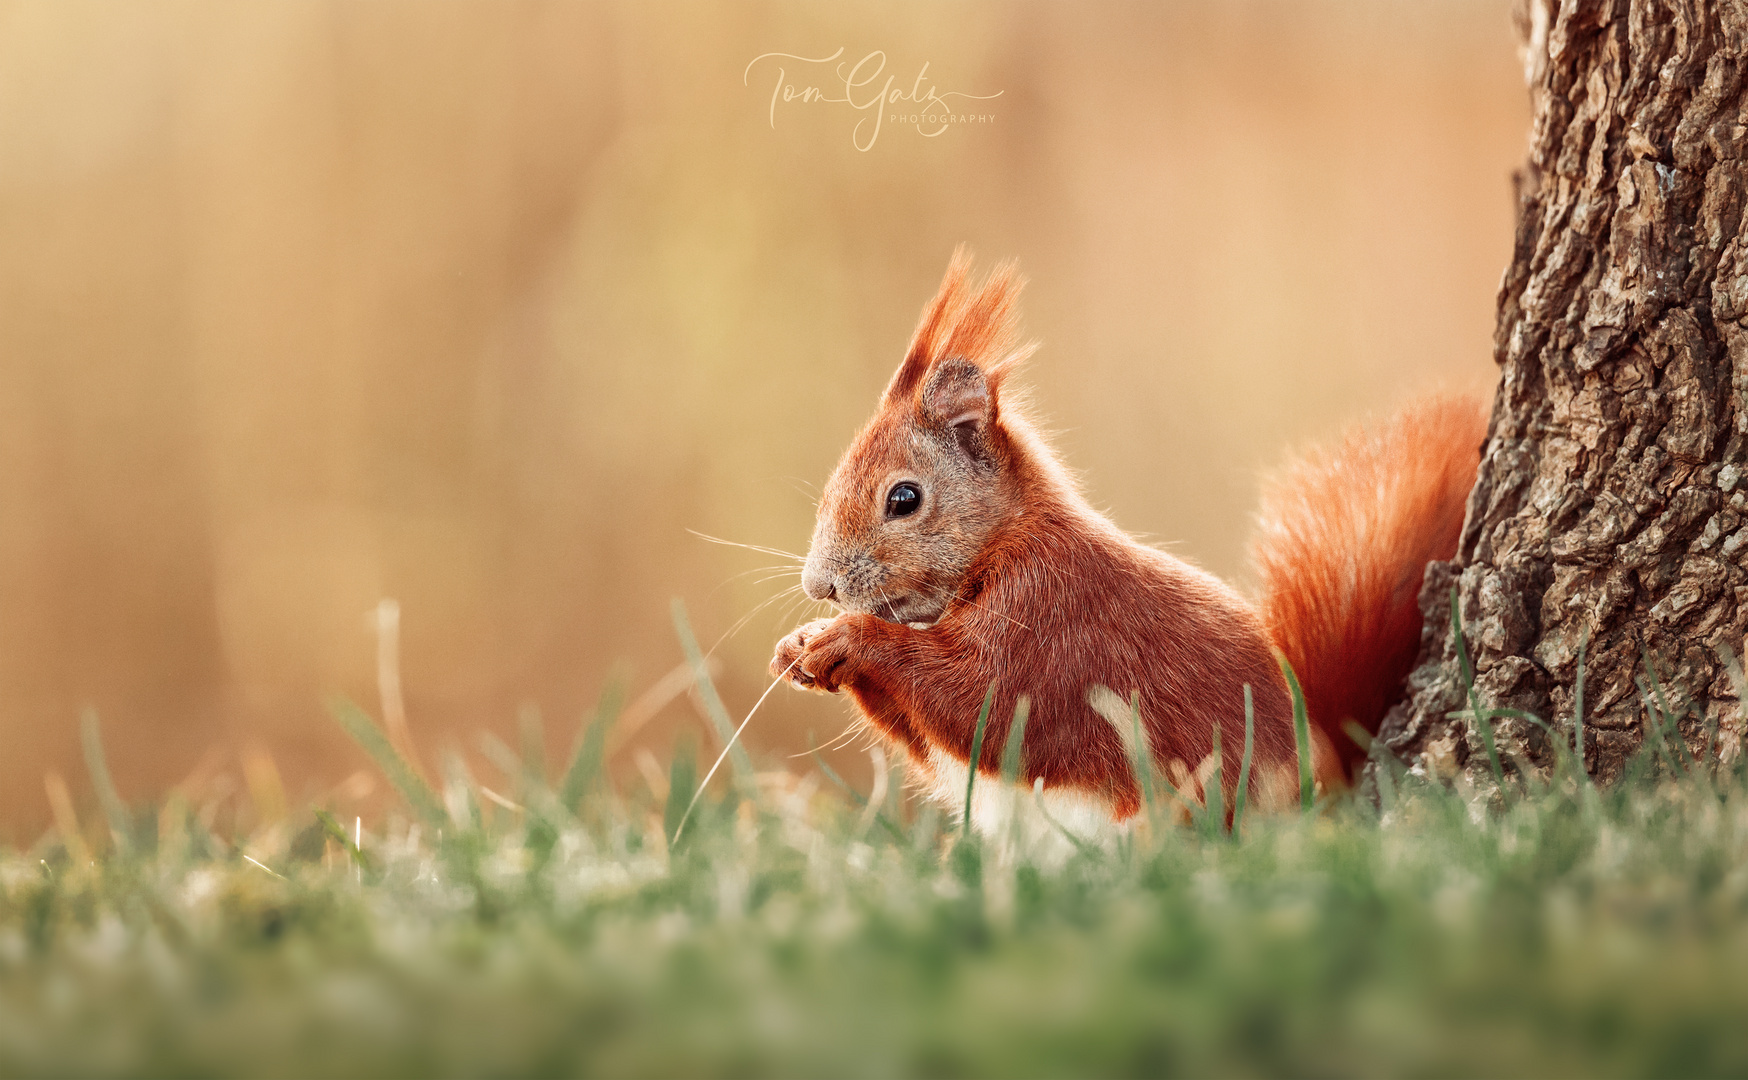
1019	822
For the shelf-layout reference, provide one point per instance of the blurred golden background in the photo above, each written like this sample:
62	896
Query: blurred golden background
482	306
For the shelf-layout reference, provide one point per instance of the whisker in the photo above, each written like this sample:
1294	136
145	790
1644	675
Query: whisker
992	611
767	574
775	571
975	632
786	568
800	602
877	793
871	737
886	598
837	740
744	619
749	547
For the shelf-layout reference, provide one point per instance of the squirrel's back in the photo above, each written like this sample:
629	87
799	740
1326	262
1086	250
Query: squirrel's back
1343	541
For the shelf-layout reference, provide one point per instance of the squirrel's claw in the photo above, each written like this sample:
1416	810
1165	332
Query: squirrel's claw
825	660
788	661
813	656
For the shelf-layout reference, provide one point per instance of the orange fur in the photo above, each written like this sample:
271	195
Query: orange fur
1343	539
1002	573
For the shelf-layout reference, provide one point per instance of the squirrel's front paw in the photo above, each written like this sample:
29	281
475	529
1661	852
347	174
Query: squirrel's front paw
787	662
814	655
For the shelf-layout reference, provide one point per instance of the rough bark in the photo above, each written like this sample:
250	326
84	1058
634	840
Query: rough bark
1612	501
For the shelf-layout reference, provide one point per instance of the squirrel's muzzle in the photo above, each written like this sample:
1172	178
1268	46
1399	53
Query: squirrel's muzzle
818	582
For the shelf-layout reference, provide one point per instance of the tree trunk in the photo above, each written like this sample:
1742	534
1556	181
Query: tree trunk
1612	503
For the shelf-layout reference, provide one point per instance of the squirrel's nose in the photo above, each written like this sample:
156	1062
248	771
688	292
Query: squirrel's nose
818	585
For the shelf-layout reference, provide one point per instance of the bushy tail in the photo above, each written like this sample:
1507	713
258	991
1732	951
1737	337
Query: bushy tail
1342	545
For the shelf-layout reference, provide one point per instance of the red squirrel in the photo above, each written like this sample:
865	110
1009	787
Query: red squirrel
961	554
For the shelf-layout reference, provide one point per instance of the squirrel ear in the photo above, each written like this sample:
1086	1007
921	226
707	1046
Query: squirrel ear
959	397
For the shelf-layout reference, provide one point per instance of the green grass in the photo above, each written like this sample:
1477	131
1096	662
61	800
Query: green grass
1541	927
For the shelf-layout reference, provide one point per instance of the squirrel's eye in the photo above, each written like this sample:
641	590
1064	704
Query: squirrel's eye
903	499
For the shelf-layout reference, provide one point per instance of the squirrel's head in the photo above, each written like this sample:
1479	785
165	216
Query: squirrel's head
918	494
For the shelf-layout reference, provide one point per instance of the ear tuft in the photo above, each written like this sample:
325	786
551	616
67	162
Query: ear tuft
939	317
978	324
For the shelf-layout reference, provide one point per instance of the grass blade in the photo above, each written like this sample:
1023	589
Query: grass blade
1301	736
459	796
1486	716
1143	752
418	794
533	733
1666	720
1653	743
861	799
733	744
681	780
976	756
1578	705
337	831
113	808
1214	821
1190	805
1491	713
1085	849
1148	778
588	759
1482	723
741	764
1386	764
1011	751
1241	794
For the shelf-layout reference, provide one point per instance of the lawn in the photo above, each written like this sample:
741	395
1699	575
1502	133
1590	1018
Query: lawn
550	925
